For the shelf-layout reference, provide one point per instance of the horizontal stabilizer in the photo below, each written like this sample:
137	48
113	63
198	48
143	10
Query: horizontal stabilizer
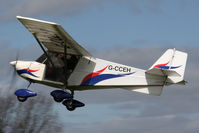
152	90
161	72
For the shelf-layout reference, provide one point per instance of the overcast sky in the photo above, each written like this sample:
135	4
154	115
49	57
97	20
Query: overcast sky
131	32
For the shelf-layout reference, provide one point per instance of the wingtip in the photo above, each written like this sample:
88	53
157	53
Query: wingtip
18	16
33	19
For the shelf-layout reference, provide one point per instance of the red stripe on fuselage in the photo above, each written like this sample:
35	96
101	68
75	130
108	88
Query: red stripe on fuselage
93	74
30	70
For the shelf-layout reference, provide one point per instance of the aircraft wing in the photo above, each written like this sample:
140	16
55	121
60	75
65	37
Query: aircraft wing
53	36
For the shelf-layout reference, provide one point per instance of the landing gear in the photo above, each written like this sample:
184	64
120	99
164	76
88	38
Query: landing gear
72	104
69	103
67	98
24	94
71	108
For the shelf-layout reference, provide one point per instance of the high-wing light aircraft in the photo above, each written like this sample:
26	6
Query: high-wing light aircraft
68	66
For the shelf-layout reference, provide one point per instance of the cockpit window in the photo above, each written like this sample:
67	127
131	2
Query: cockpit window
57	71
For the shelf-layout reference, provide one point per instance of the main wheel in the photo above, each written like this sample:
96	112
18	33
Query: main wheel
57	99
69	105
71	108
22	99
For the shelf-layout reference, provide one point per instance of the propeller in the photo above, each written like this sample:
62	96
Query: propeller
14	73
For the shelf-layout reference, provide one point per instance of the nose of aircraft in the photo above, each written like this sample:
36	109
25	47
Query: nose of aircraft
13	63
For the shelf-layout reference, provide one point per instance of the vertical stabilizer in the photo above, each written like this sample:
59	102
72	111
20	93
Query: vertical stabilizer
171	64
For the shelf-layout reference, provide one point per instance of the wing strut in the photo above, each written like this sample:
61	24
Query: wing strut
65	65
43	50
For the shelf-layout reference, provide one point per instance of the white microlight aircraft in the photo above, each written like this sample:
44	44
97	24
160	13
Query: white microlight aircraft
68	66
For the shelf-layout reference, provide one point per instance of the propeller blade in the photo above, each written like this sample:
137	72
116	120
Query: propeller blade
13	79
14	73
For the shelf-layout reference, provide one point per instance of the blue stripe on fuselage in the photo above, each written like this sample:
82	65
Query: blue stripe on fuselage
99	78
25	71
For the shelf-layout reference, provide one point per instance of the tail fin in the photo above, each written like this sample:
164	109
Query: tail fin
171	64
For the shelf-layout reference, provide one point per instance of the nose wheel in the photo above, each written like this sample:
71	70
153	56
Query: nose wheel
24	94
22	99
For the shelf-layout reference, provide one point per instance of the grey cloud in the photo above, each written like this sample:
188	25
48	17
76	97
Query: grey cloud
158	6
60	8
45	7
140	6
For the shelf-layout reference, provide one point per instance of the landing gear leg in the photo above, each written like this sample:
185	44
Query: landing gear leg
70	105
72	93
29	84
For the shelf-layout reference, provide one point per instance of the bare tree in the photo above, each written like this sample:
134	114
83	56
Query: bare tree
36	115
